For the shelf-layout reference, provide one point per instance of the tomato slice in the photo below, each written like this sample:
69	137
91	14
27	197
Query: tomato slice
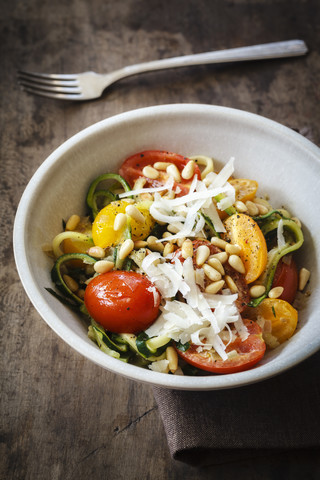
245	189
286	276
246	353
122	302
244	231
243	289
131	169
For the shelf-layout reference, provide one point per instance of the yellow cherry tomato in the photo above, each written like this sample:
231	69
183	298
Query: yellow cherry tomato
103	233
245	189
281	319
75	246
245	232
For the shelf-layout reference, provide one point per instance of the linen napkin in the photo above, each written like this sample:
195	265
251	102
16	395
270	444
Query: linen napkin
278	414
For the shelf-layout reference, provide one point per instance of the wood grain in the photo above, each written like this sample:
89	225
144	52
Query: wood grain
62	417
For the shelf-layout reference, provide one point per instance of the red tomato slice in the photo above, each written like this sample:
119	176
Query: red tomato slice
131	169
122	302
248	353
286	276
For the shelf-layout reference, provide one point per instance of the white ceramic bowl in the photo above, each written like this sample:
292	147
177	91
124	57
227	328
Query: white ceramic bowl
286	165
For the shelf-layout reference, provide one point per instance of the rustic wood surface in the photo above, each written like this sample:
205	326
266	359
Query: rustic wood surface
62	417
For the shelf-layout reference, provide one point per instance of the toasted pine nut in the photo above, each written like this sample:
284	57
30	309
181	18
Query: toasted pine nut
154	245
262	208
126	248
166	234
231	285
168	248
252	208
188	170
139	183
134	213
214	287
240	206
187	249
80	293
203	252
275	292
173	171
140	244
236	263
96	252
73	222
161	165
172	228
218	242
71	283
304	276
150	172
216	264
233	249
172	357
211	273
221	256
103	266
119	221
257	290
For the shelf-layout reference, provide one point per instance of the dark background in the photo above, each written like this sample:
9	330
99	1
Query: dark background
62	416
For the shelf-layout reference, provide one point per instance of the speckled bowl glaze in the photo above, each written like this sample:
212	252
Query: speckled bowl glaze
286	165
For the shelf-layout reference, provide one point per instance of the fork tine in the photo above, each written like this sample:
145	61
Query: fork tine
45	93
46	81
50	87
48	76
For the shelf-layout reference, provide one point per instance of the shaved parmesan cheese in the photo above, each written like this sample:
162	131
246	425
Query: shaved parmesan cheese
161	366
167	186
280	237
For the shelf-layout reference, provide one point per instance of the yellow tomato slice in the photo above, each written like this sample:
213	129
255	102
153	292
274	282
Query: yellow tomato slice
75	246
103	233
245	189
245	232
280	315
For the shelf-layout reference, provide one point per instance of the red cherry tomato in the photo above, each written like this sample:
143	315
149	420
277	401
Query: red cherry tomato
286	276
122	302
131	169
248	353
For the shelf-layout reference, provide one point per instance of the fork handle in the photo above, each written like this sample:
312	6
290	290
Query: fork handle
290	48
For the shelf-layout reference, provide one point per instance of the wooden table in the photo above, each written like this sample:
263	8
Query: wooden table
62	416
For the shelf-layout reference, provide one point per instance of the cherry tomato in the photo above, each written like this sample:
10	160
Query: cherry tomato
132	168
286	276
122	302
243	290
245	353
245	189
245	232
280	315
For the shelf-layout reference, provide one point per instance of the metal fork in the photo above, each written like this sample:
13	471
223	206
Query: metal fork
89	85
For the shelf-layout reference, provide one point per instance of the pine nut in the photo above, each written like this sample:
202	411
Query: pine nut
103	266
134	213
216	264
71	283
231	285
173	171
187	249
240	206
139	183
162	165
203	252
233	249
214	287
80	293
96	252
126	248
211	273
150	172
218	242
140	244
166	235
179	241
262	209
257	290
172	357
119	221
188	170
304	276
252	208
172	228
154	245
275	292
221	256
236	263
72	223
168	248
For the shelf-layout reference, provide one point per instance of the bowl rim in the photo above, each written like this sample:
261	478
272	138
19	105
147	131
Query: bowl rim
62	330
